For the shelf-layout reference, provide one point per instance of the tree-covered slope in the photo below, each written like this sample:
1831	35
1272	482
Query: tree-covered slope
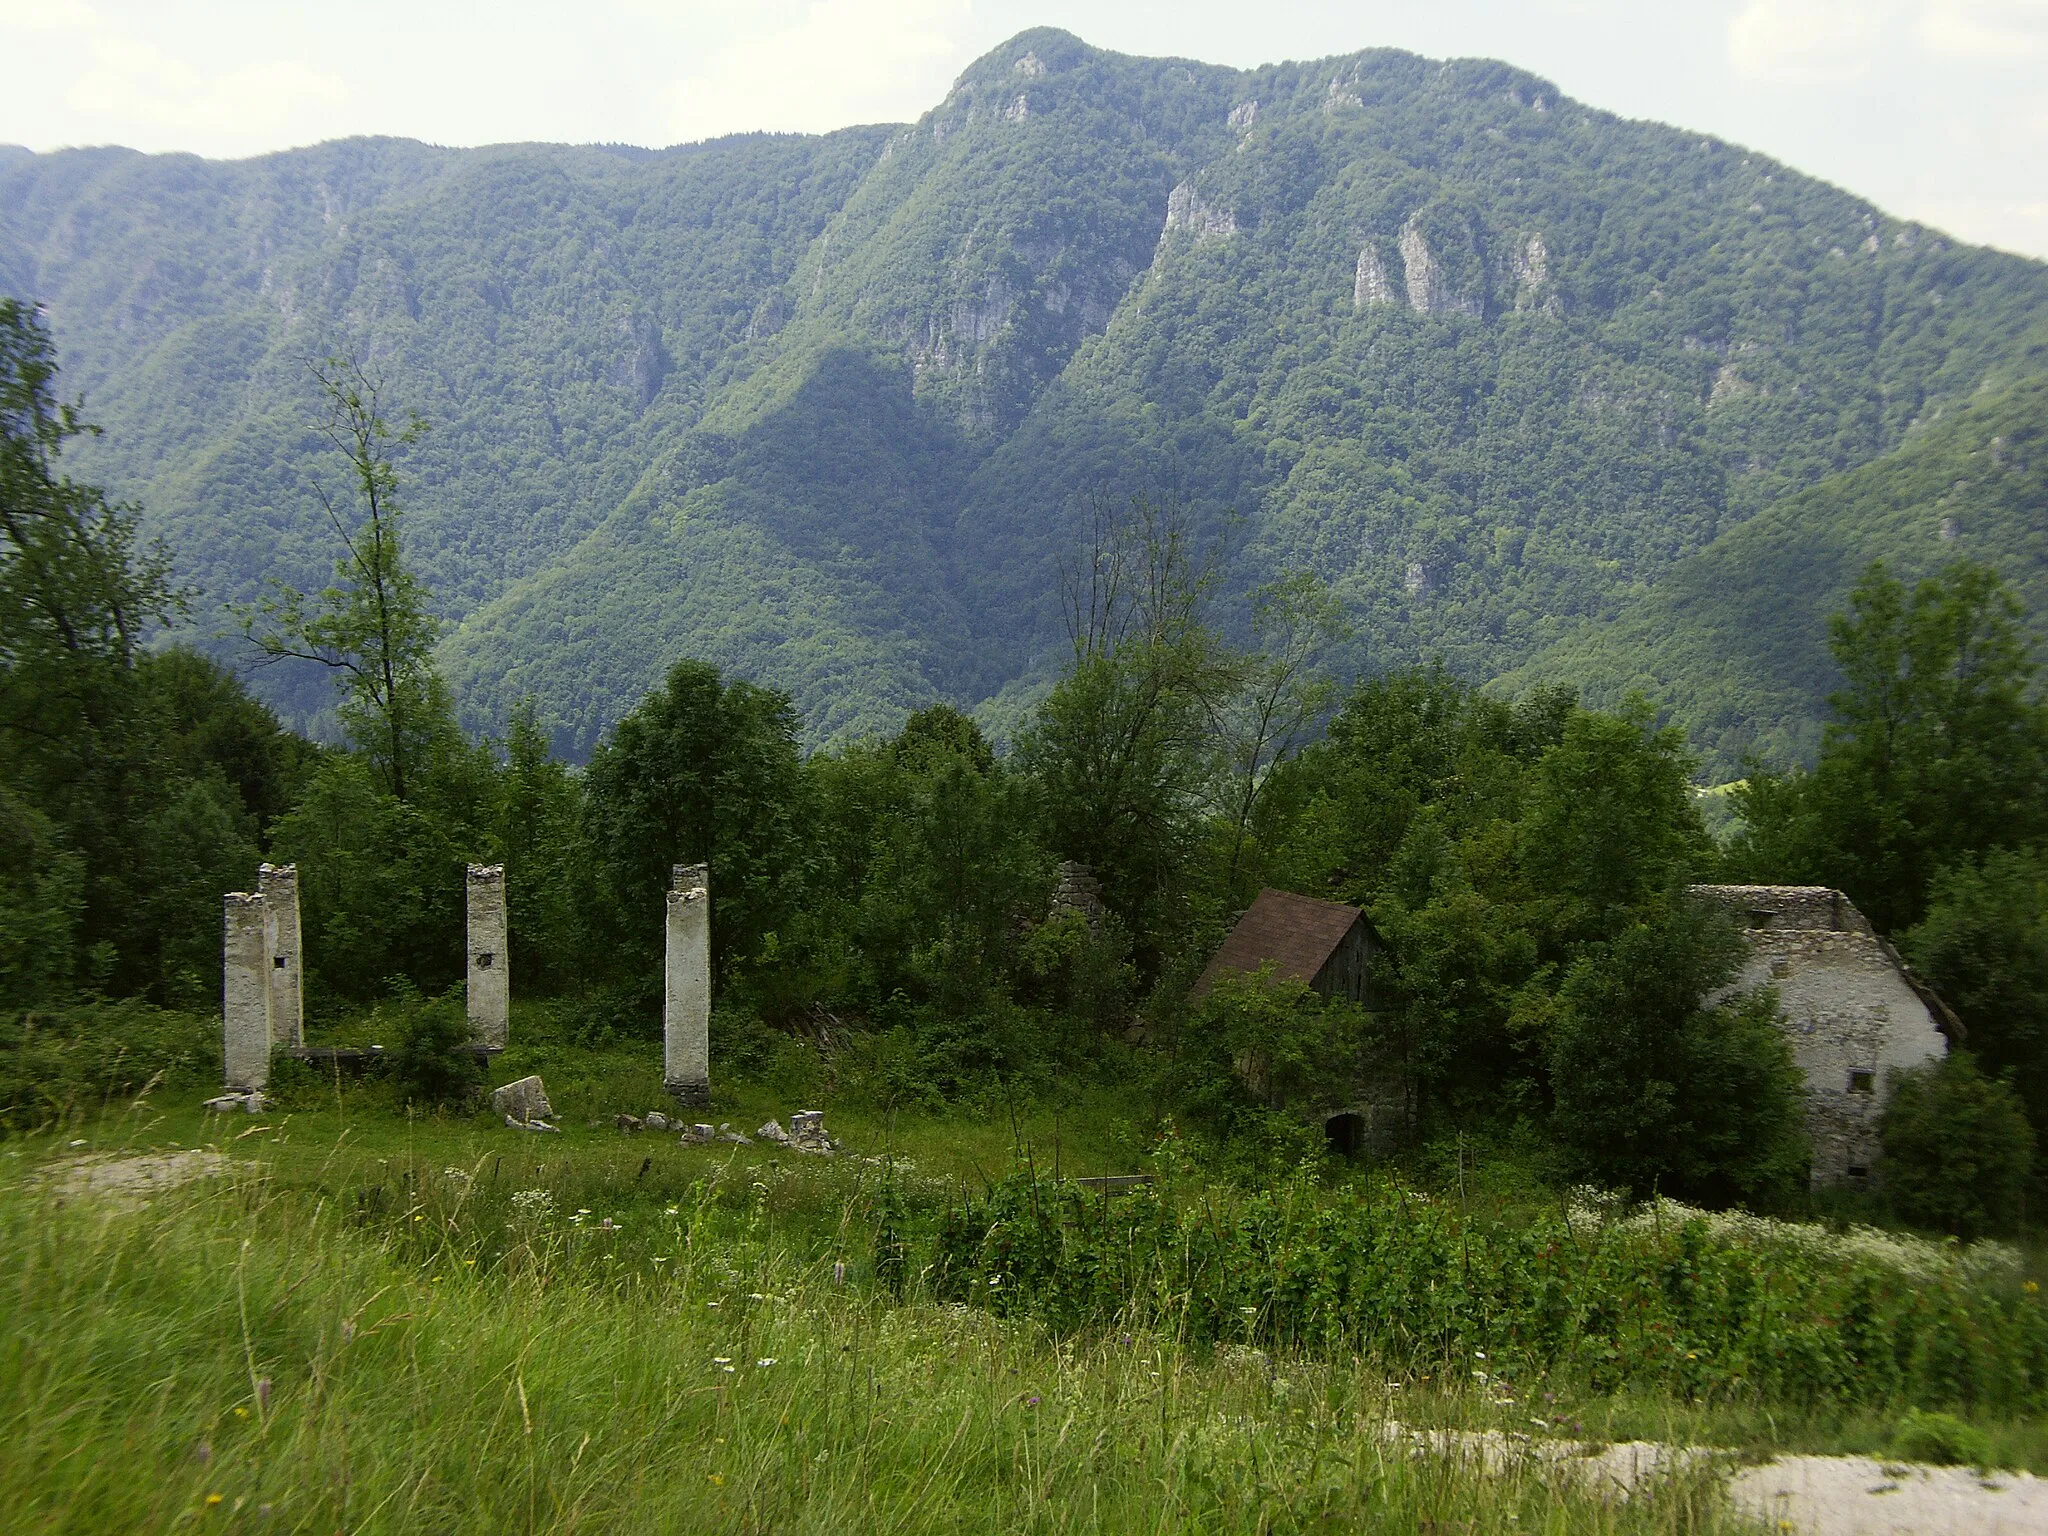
1733	641
830	410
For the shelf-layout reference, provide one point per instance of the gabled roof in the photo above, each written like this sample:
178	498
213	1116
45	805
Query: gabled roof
1296	934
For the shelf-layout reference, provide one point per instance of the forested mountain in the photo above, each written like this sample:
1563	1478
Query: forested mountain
829	411
1730	640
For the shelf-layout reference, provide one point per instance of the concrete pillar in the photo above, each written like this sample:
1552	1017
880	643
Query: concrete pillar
244	992
490	958
686	1000
278	884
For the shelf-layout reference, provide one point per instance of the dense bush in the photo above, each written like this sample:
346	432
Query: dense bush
91	1054
1957	1148
431	1061
1705	1308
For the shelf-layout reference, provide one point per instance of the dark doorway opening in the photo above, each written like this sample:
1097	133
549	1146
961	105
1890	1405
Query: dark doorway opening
1345	1133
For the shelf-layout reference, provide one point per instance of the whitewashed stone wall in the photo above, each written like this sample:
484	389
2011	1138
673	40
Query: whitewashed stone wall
490	958
686	1003
278	885
1847	1006
244	993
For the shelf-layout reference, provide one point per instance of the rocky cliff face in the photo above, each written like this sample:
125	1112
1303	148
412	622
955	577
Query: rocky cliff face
826	411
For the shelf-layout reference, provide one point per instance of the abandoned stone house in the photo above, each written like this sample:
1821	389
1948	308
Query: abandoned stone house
1852	1010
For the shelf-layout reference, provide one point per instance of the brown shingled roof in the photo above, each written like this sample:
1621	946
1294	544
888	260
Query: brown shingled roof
1297	934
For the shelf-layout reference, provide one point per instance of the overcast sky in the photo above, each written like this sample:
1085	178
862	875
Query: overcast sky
1936	109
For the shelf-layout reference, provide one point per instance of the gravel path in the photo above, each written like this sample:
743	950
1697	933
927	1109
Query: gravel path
1806	1495
128	1181
1855	1496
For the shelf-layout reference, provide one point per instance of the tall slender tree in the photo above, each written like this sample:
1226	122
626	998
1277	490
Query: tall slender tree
374	625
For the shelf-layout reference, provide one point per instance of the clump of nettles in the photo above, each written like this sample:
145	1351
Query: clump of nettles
431	1061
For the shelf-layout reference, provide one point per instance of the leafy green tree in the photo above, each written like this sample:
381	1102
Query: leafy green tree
42	889
1957	1148
126	822
78	587
1939	749
539	833
1984	946
1283	696
1124	747
380	880
1609	823
374	626
1653	1087
703	771
1259	1060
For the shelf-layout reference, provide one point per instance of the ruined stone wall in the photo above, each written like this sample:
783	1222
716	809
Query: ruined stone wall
245	993
490	958
1845	1004
686	1004
278	884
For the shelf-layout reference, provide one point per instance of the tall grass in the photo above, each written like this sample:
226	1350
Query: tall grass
444	1356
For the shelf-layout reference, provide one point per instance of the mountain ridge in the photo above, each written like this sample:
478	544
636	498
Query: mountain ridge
828	410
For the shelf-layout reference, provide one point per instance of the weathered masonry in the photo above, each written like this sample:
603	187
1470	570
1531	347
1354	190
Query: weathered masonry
686	997
1852	1010
245	993
278	884
490	960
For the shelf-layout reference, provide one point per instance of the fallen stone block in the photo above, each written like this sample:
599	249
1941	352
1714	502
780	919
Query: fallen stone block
656	1121
524	1100
737	1138
228	1104
512	1122
629	1123
773	1131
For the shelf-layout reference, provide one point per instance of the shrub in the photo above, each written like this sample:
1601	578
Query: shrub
1941	1438
77	1058
1957	1148
432	1062
1652	1087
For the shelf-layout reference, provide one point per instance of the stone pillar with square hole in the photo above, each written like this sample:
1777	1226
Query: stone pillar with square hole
278	885
686	998
245	993
490	961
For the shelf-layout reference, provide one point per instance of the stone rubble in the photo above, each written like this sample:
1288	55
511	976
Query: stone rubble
655	1120
627	1122
252	1102
524	1104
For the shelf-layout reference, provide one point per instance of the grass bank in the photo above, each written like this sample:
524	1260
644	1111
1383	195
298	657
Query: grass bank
285	1348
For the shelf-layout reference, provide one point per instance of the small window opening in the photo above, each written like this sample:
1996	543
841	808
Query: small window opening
1346	1133
483	960
1863	1082
1759	919
278	962
1859	1172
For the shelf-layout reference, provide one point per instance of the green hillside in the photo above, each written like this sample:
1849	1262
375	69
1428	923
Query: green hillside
1733	641
829	410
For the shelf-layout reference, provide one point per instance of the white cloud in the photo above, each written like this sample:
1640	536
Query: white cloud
1807	42
46	15
841	62
2003	30
2011	226
133	81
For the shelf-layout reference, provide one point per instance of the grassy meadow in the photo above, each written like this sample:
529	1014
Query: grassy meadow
367	1320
